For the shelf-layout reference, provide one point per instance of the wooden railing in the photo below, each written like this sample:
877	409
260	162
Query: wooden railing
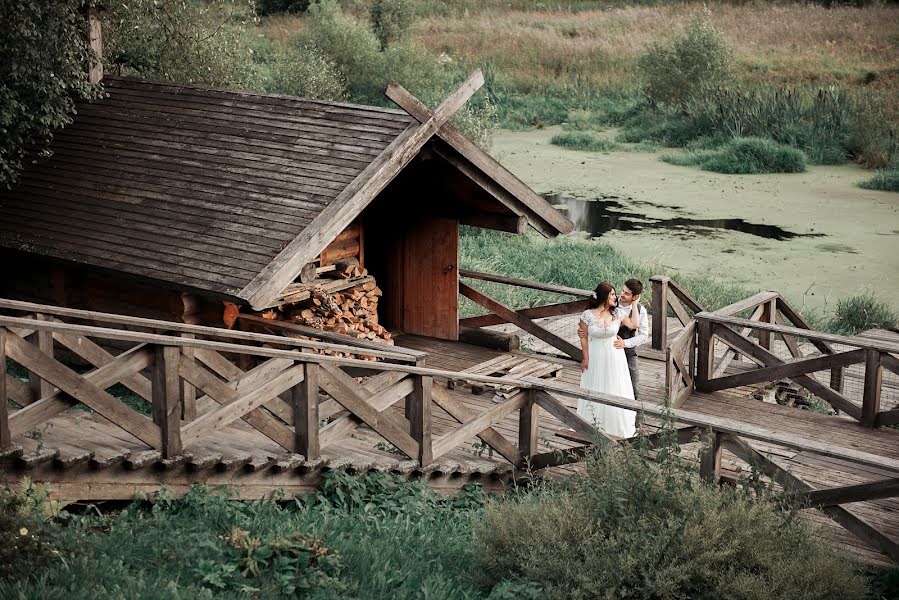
304	401
524	318
667	295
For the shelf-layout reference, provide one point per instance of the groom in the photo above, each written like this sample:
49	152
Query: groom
628	338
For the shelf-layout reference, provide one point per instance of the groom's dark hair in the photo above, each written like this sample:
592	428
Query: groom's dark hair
634	285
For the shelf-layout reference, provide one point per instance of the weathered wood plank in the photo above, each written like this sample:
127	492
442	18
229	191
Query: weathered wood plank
746	304
5	434
462	413
862	492
660	285
380	400
786	370
43	341
564	414
471	428
305	416
524	283
528	422
520	321
419	416
538	312
83	390
873	387
167	398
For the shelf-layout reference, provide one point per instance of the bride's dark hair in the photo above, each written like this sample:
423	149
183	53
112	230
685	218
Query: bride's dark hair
601	294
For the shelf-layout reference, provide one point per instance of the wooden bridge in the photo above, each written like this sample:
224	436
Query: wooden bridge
260	412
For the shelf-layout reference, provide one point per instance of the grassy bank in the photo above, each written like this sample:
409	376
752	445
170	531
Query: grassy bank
649	529
582	263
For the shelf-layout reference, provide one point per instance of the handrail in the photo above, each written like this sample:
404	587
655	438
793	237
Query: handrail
856	341
534	285
389	352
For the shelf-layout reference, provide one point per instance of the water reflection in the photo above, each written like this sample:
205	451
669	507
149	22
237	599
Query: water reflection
601	215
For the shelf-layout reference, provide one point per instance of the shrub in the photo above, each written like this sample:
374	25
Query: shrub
583	140
307	72
42	76
24	549
699	59
885	180
390	20
633	529
743	156
184	42
862	312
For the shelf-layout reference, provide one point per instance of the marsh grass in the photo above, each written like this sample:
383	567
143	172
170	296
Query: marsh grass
862	312
744	156
584	140
885	180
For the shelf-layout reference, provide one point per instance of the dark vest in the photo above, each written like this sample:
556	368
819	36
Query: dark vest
626	333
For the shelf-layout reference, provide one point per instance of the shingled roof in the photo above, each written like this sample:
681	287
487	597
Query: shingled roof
196	187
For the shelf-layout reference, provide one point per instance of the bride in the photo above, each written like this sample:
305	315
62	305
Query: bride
604	368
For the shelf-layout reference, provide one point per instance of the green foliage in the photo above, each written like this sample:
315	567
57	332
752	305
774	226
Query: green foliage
43	74
180	41
744	156
24	548
633	529
390	20
699	59
884	180
306	72
273	7
862	312
583	140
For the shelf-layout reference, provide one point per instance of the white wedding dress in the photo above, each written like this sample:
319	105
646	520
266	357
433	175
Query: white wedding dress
606	372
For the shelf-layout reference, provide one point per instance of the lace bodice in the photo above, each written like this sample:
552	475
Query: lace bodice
596	330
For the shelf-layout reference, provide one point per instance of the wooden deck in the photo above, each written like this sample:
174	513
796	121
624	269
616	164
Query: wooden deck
85	457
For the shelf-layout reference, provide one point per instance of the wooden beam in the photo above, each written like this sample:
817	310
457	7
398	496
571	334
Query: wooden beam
305	416
419	415
230	411
538	312
83	390
710	458
471	428
345	390
528	423
730	355
768	359
461	413
519	321
353	199
132	361
887	418
167	398
769	310
862	492
5	435
705	354
241	383
873	387
524	283
659	311
746	304
787	370
380	399
484	162
564	414
43	340
719	424
796	319
686	298
855	524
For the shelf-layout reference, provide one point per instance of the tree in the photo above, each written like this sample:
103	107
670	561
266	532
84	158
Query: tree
43	73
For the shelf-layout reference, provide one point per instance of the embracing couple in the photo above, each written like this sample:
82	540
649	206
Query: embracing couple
610	331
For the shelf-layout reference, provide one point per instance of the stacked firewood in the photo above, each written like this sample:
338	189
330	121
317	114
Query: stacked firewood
343	298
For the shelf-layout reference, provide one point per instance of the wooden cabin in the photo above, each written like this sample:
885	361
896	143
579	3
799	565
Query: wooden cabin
167	201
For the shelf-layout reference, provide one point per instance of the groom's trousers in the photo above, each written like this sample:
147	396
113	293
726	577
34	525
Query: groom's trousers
633	366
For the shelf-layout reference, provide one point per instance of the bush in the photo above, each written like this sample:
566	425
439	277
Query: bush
744	156
700	59
390	20
885	180
305	71
860	313
633	529
42	75
183	42
583	140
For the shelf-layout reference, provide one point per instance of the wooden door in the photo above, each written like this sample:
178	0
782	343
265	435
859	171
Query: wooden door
430	278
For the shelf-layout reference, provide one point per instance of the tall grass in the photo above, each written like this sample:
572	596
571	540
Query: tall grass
862	312
583	140
744	156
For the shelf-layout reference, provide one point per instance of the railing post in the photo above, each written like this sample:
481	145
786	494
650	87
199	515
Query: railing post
167	398
705	356
873	386
43	340
188	391
5	437
305	413
769	313
659	311
528	419
418	411
710	459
